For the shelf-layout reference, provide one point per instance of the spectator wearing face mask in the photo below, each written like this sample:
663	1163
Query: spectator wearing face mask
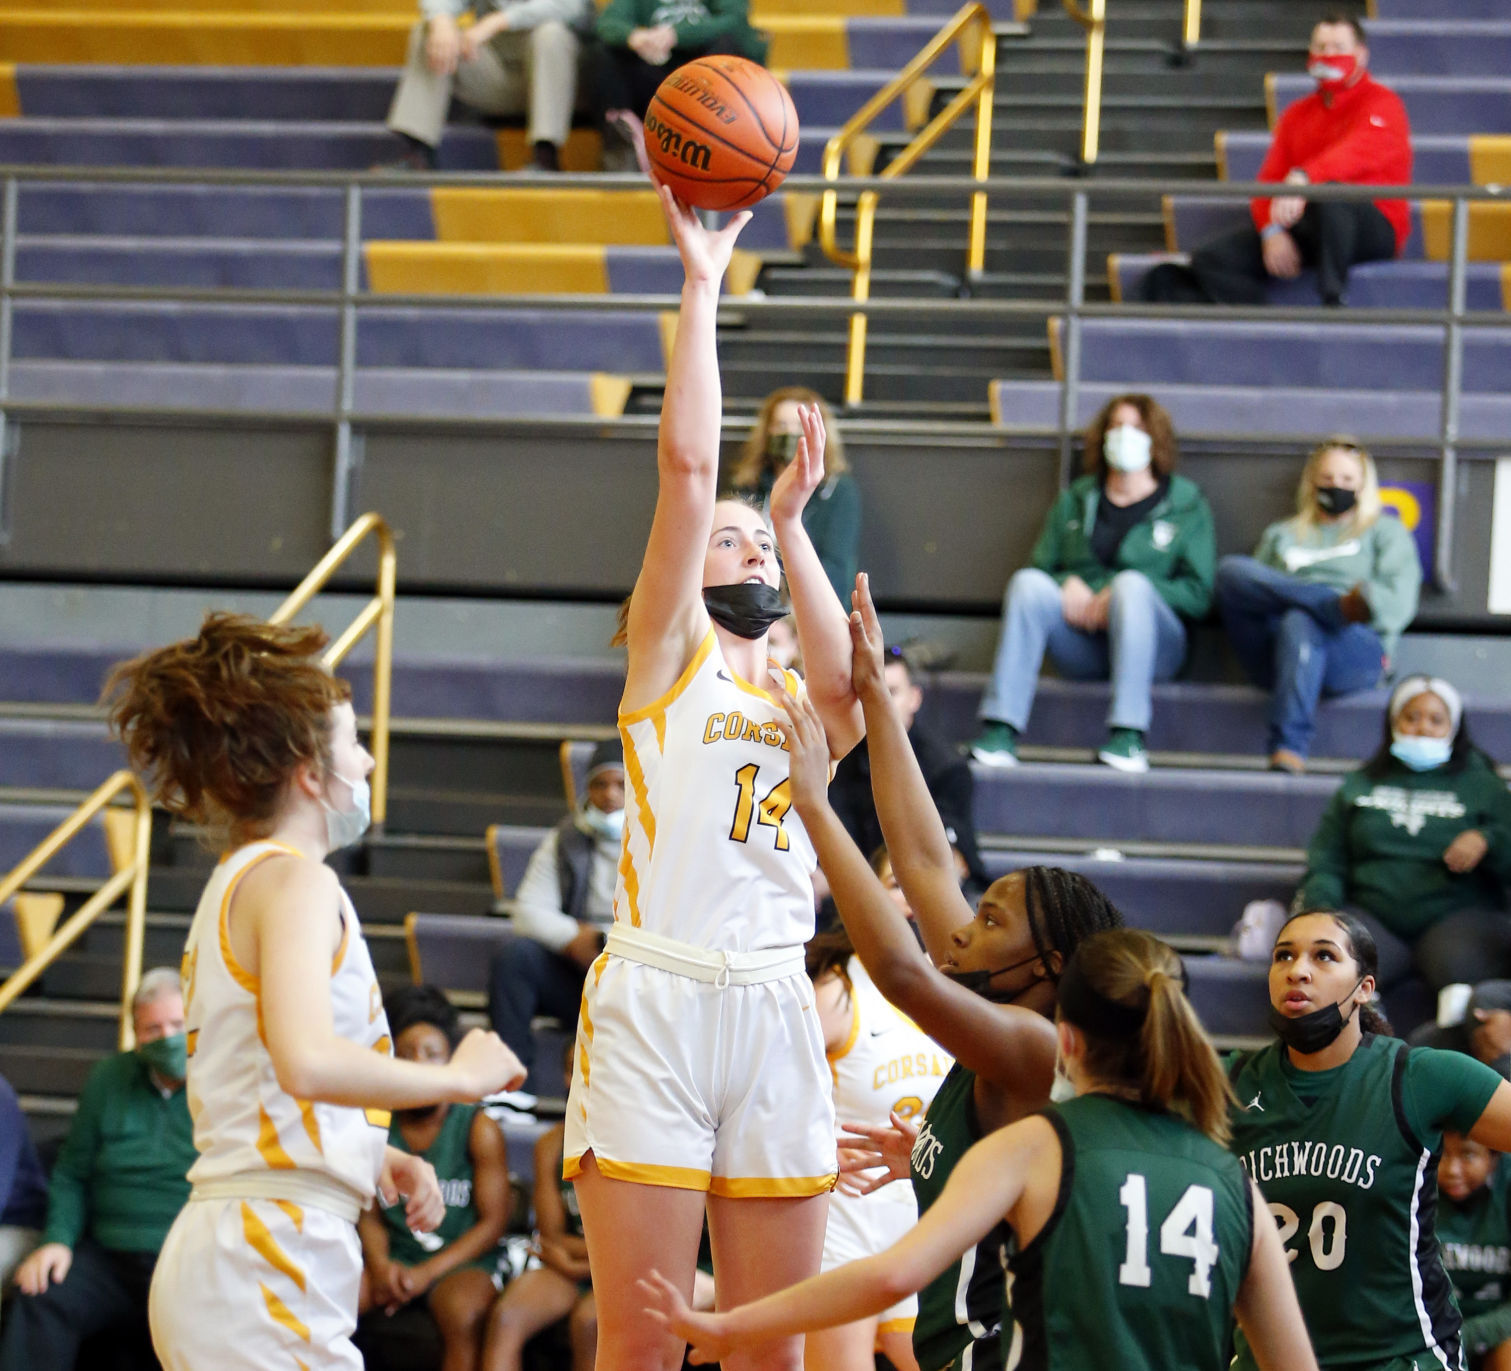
1321	605
832	517
1125	557
1417	843
1351	130
562	910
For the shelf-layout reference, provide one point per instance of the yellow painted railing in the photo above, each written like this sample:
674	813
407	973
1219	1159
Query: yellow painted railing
129	878
971	31
1093	18
377	612
1190	29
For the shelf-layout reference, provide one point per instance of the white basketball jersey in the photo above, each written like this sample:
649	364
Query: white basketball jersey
714	854
244	1122
887	1062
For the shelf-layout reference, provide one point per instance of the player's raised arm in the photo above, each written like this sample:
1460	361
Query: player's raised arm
666	615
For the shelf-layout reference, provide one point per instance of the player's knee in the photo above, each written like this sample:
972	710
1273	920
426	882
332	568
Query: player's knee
582	1323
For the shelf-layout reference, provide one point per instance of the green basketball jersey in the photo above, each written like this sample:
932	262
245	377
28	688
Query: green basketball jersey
1141	1261
960	1312
452	1159
1475	1238
1347	1160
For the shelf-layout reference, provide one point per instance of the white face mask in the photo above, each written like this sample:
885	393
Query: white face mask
1126	448
1420	753
1063	1087
343	827
604	825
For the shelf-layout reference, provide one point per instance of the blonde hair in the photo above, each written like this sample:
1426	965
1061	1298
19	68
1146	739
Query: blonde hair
1168	1062
754	461
1367	507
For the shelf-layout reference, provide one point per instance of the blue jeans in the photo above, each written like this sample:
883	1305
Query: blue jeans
1293	641
1145	642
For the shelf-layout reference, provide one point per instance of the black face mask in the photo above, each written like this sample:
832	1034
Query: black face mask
1310	1032
746	610
1336	500
980	982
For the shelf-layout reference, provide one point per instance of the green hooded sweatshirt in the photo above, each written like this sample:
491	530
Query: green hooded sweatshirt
1382	837
698	23
1381	557
1175	547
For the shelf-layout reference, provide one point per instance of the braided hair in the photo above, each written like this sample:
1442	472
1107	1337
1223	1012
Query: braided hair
1063	909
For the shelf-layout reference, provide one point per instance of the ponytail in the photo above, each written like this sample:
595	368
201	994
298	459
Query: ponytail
218	723
1124	990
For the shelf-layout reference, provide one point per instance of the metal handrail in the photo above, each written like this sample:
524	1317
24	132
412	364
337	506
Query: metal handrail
377	611
1094	21
971	21
130	878
1190	29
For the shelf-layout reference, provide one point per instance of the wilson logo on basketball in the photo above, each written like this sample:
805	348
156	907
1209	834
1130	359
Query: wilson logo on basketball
685	150
704	96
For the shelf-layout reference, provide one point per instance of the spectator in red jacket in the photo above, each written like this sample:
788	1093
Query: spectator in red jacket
1351	129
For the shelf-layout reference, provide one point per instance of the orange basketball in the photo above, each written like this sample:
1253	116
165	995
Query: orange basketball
721	133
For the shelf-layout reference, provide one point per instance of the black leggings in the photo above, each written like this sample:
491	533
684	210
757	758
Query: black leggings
625	80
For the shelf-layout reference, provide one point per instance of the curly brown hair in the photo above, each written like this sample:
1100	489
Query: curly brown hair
1163	450
218	723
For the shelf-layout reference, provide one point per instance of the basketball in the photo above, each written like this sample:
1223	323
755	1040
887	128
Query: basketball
721	133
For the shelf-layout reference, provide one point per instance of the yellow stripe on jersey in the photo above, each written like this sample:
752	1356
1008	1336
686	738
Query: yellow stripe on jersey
850	1038
346	932
311	1123
627	872
281	1313
688	672
262	1242
268	1147
295	1213
191	1041
896	1325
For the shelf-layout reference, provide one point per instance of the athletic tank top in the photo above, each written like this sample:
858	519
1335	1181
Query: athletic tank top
1152	1231
1475	1238
244	1121
713	854
451	1156
960	1311
1355	1195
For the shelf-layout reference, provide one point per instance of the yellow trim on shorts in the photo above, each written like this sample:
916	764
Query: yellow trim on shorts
641	1173
261	1240
660	704
282	1314
895	1326
771	1187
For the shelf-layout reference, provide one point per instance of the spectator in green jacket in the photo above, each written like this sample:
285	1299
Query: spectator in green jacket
831	518
1417	842
645	40
1474	1232
1126	556
118	1184
1320	606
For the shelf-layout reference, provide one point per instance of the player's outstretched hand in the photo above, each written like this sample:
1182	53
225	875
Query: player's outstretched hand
805	472
705	1333
413	1178
865	1147
808	770
868	647
705	252
485	1066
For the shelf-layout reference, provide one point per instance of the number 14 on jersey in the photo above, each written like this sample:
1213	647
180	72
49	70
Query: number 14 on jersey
768	811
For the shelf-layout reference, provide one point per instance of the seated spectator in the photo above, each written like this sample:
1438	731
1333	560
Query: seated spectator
563	909
1351	130
118	1184
518	57
642	41
23	1188
1417	843
1484	1032
831	518
452	1267
946	774
1320	606
1474	1232
1125	556
557	1285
